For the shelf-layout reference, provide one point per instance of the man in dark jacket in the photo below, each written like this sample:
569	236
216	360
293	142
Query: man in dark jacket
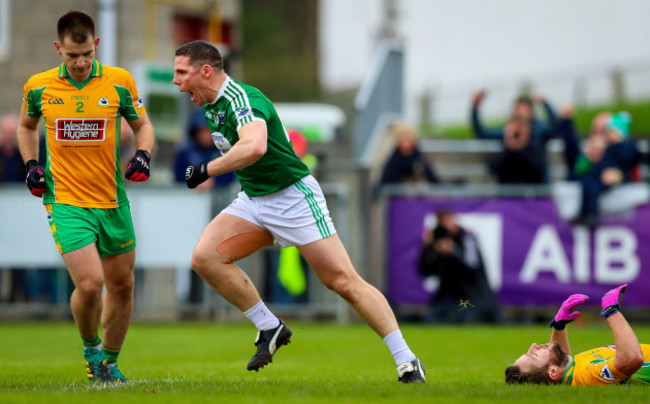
453	256
407	164
520	162
523	109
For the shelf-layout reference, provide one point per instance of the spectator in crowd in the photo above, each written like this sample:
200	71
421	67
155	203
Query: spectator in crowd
453	255
12	168
579	161
615	167
523	110
608	158
520	162
199	149
407	164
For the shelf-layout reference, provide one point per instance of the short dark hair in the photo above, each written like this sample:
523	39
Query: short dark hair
201	53
537	375
77	24
443	213
524	99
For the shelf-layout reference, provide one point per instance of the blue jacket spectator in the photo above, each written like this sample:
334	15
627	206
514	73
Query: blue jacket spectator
519	162
199	149
523	108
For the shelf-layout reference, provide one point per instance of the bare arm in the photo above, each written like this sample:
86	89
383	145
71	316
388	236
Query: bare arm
250	147
144	133
564	316
27	134
562	338
629	357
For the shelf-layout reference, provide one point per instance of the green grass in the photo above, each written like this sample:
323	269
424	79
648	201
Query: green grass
325	363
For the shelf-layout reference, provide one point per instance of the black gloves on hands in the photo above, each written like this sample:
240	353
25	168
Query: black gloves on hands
138	168
194	175
33	179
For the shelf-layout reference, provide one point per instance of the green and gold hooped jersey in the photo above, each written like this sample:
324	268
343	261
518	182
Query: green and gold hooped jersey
596	368
82	133
238	104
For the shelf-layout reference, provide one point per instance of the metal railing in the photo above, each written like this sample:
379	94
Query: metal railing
34	282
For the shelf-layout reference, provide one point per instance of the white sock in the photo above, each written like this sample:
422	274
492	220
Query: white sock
398	348
262	317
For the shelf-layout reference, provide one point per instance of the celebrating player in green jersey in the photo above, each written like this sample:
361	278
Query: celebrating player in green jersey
280	201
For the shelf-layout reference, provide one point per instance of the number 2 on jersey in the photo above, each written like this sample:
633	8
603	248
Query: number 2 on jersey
80	107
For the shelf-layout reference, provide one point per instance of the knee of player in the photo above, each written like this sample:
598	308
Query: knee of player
121	286
90	287
343	285
202	261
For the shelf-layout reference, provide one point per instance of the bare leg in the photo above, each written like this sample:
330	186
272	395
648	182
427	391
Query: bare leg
330	262
216	268
85	269
118	301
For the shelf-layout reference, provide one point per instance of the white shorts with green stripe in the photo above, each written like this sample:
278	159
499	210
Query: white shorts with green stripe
295	216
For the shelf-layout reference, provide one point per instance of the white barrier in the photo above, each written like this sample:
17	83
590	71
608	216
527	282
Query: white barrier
168	222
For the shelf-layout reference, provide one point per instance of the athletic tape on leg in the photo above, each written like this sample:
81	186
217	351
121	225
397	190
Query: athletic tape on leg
244	244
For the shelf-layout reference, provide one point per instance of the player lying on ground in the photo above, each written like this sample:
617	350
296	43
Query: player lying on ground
624	363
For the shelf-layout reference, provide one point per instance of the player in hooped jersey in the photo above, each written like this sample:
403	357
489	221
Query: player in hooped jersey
280	201
626	362
81	103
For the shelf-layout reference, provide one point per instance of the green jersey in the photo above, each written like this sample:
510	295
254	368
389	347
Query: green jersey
238	104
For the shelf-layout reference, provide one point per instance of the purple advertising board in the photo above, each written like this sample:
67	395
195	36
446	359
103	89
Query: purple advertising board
532	256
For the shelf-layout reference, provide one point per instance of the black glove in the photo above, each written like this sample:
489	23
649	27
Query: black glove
194	175
138	168
33	179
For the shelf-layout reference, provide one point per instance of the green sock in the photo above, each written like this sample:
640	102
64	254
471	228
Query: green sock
111	354
92	342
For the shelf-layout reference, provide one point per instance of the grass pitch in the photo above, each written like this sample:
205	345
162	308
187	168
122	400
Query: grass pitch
325	363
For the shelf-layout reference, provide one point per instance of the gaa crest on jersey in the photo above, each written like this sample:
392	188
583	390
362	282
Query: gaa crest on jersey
221	117
242	112
139	104
103	102
607	374
80	129
221	142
